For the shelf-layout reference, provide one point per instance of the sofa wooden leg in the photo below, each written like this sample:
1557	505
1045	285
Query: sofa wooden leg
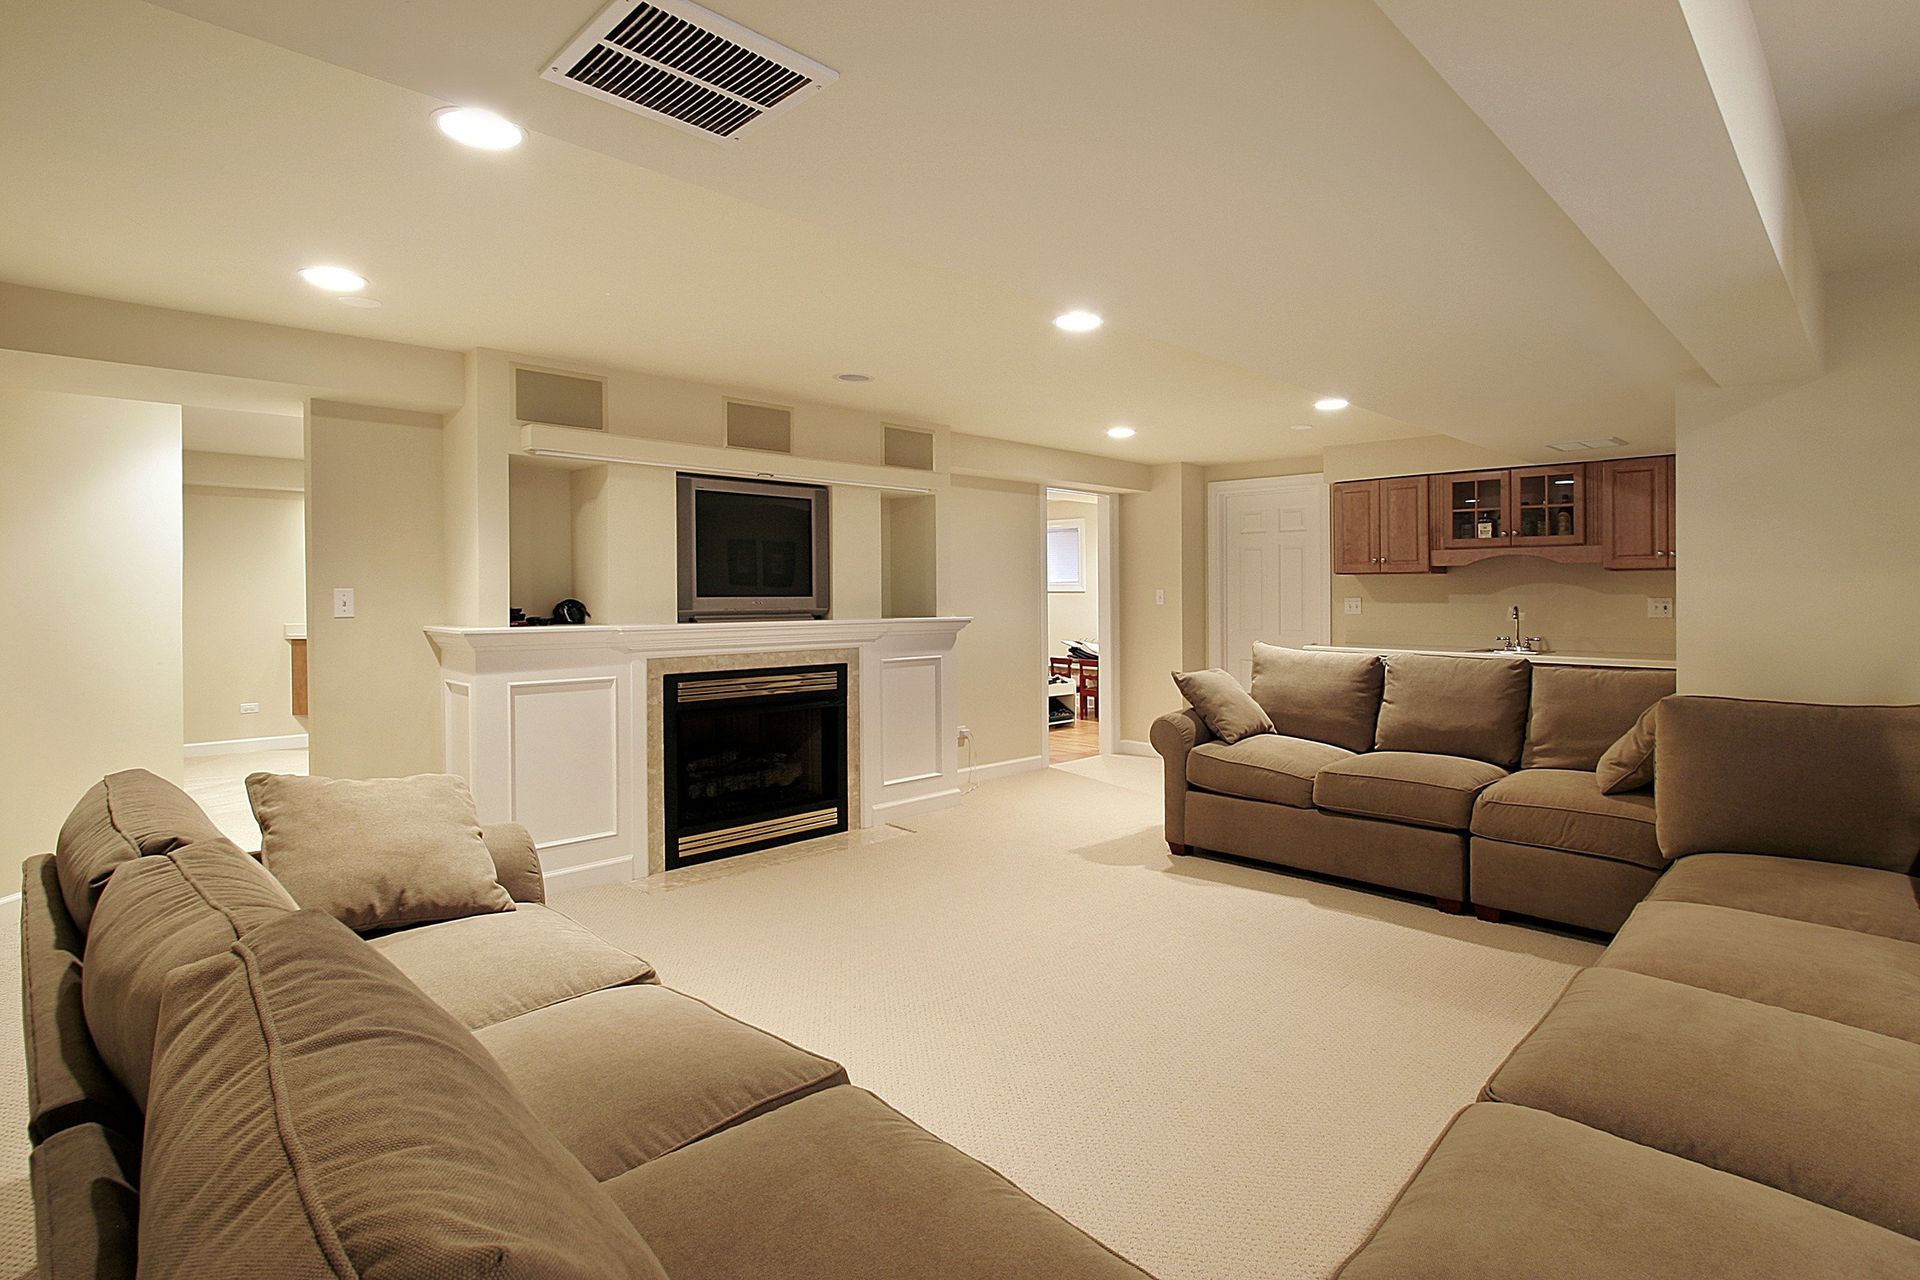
1492	915
1452	906
1179	850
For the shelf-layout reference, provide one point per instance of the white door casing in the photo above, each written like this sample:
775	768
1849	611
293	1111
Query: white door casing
1267	573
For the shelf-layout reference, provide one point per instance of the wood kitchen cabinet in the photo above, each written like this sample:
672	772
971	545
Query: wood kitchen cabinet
1487	511
1636	513
1380	526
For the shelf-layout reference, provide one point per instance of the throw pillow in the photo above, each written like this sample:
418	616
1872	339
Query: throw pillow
377	853
1628	763
1217	697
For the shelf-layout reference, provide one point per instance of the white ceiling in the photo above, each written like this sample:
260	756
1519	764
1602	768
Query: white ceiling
1269	202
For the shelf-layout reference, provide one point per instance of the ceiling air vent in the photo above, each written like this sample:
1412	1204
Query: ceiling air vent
1583	446
685	65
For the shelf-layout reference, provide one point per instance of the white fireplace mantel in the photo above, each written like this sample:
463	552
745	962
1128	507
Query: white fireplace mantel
551	725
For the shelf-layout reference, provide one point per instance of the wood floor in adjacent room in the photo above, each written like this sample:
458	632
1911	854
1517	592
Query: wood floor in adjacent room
1074	741
1218	1070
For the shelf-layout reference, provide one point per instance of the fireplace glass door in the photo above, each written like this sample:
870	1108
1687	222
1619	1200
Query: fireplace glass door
753	759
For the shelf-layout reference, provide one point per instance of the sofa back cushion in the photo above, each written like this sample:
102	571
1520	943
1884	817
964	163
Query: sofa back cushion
123	816
1217	698
1799	780
314	1114
377	853
157	914
1323	697
1472	707
1575	713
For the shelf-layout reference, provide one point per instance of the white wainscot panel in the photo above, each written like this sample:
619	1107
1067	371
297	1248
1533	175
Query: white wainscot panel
563	755
912	732
457	725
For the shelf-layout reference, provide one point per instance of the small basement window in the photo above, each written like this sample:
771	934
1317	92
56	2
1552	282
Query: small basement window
1066	555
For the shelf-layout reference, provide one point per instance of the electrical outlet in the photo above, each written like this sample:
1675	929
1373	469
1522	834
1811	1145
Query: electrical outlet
966	735
1353	604
1659	608
1159	595
343	602
249	708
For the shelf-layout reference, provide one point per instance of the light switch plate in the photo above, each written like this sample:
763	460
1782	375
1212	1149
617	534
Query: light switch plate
1659	608
1159	595
249	708
343	602
1353	604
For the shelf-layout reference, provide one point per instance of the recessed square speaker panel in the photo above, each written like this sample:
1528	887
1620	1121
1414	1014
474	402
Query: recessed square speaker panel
565	400
908	447
759	426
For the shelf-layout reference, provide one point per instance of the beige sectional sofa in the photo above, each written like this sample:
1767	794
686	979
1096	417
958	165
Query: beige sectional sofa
224	1085
1734	1088
1461	779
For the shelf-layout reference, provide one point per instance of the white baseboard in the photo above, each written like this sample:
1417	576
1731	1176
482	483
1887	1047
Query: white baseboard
1135	747
233	746
1003	768
895	810
10	900
606	871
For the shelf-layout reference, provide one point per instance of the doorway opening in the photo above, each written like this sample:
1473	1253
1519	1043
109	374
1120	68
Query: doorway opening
1077	625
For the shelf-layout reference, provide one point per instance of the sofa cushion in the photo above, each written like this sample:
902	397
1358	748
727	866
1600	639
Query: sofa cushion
315	1115
516	863
157	914
1268	767
377	853
843	1187
1217	698
68	1083
124	816
1857	898
1513	1192
1324	697
1565	809
1630	763
1472	707
1816	1108
1406	786
486	968
624	1075
86	1204
1834	784
1575	713
1855	978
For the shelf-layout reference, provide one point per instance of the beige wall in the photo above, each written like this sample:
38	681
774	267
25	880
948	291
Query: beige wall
1075	615
908	557
993	568
1163	548
374	524
540	515
91	648
245	581
1799	528
855	530
624	531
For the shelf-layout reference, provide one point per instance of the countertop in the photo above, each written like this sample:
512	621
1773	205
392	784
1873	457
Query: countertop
1546	659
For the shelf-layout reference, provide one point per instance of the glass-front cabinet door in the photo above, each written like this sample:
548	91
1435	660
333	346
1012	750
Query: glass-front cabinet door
1549	506
1474	504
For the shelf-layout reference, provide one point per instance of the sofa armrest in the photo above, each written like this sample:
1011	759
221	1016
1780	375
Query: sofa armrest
1173	736
515	862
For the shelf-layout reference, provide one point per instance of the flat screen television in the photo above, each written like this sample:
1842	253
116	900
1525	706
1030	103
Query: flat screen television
752	549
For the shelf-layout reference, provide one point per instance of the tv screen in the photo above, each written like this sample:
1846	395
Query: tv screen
752	544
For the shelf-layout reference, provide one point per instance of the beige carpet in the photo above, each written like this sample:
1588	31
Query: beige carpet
1221	1071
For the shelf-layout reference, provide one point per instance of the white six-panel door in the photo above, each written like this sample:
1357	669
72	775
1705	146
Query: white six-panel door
1267	569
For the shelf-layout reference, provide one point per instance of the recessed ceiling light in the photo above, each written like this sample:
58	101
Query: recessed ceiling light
1120	433
1078	321
367	304
1329	403
334	279
1303	426
854	377
479	128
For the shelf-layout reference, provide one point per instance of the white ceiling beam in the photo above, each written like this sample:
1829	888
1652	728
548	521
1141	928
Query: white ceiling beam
1652	124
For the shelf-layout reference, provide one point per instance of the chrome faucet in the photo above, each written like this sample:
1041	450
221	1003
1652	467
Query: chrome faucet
1514	643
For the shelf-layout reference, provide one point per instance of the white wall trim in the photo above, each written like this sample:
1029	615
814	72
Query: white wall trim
1003	768
1217	491
1135	747
10	900
616	870
233	746
894	810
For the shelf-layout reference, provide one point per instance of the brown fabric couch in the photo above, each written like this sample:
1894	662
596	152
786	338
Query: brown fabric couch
1734	1088
1463	779
222	1085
